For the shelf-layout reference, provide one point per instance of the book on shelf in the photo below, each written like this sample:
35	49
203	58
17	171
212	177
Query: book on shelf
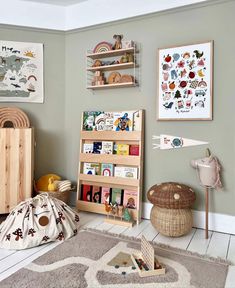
89	120
107	147
104	121
106	169
116	196
96	194
134	150
88	148
108	121
86	194
91	168
97	147
126	172
123	121
130	199
100	122
122	149
105	195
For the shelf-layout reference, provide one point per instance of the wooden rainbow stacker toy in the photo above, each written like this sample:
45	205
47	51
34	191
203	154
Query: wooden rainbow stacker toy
146	262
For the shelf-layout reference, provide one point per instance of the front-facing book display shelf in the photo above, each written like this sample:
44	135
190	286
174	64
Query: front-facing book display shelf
135	138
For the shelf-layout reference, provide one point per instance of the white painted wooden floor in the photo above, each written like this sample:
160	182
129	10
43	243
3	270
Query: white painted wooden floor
218	244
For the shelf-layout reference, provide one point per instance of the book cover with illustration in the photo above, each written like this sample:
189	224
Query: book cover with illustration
122	149
130	199
88	148
126	172
106	169
123	121
96	194
130	172
97	147
107	147
118	171
108	121
100	122
134	150
86	194
89	120
116	196
105	195
91	168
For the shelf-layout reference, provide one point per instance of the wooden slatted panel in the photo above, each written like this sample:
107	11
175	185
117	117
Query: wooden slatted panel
16	166
112	158
98	180
111	135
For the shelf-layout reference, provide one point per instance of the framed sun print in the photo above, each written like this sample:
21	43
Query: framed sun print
185	82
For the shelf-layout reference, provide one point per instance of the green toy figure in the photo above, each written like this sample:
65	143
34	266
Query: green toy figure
127	215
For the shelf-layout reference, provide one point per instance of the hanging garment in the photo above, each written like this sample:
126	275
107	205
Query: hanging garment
36	221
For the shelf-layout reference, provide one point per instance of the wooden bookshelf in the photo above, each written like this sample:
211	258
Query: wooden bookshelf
120	85
112	67
110	53
128	137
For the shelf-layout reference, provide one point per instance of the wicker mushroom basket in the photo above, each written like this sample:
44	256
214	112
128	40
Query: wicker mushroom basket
171	214
171	195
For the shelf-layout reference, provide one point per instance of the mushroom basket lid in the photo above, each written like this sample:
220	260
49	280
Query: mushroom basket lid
171	195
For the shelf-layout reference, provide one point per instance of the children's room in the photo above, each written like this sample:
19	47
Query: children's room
116	147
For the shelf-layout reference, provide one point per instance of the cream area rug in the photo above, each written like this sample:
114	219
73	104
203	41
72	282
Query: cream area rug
92	259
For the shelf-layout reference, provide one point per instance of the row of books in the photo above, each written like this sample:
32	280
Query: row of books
109	147
127	198
108	169
111	121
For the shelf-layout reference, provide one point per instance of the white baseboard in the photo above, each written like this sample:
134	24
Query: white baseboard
217	222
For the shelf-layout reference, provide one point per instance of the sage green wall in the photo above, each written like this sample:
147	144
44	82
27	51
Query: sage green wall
47	118
184	26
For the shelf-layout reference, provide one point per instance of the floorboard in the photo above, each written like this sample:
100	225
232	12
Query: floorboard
22	258
198	243
218	245
149	232
136	230
182	242
231	250
117	229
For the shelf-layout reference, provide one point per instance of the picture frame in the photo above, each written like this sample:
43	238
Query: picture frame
21	72
185	82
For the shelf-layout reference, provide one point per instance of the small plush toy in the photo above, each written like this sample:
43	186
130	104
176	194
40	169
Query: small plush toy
118	43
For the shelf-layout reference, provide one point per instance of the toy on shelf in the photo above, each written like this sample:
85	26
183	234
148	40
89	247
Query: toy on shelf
118	43
98	79
145	261
119	215
208	170
102	47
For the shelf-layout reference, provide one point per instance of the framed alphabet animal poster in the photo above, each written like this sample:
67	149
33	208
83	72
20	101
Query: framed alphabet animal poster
185	82
21	72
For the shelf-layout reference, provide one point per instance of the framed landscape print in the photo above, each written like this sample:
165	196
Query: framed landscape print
21	72
185	82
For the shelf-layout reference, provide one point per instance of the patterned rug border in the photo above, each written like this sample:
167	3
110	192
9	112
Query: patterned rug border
162	246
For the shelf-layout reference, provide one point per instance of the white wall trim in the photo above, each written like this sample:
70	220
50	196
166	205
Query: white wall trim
89	14
217	222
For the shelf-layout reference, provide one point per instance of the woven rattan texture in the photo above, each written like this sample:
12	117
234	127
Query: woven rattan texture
171	195
172	222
